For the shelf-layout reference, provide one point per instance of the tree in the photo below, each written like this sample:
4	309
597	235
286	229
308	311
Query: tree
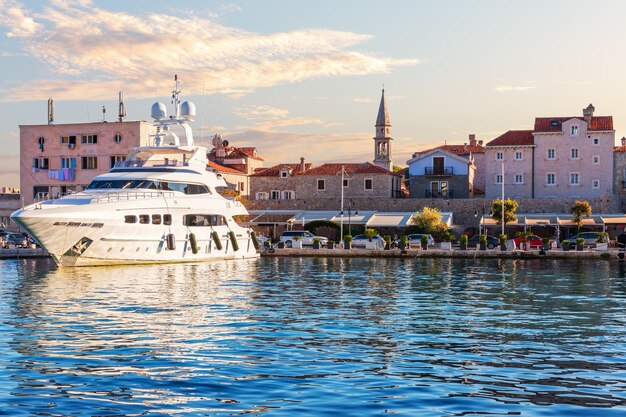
428	221
578	210
370	233
510	208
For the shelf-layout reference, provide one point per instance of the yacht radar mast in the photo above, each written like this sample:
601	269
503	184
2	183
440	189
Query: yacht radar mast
183	114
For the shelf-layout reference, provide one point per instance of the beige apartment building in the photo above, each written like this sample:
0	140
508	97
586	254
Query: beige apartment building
57	159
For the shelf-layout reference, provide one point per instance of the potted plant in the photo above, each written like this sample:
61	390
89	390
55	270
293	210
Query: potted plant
580	244
316	243
546	243
387	239
503	242
565	245
446	241
524	240
404	242
347	241
482	241
296	243
603	242
370	233
330	244
424	242
463	242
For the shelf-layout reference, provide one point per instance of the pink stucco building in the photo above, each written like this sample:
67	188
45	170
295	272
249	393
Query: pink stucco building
562	157
57	159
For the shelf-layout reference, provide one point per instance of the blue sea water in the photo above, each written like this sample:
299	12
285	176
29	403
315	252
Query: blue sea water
314	337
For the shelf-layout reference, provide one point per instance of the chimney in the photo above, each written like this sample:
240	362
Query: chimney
302	164
623	141
588	113
472	140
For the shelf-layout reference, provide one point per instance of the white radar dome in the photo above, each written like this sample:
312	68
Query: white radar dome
158	111
188	110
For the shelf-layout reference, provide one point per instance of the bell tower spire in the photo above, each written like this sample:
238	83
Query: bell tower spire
382	140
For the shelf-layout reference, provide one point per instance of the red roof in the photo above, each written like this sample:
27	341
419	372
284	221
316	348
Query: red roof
275	170
460	150
514	138
350	168
553	124
223	168
233	152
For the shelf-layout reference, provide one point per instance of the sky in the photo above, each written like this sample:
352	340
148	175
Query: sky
304	78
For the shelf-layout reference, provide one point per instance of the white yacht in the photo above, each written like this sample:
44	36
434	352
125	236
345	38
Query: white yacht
159	205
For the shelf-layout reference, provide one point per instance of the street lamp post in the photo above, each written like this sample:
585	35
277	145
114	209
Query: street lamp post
356	213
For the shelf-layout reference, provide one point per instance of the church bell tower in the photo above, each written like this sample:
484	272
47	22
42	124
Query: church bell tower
382	140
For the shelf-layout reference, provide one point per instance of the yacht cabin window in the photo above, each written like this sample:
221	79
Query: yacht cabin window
203	220
186	188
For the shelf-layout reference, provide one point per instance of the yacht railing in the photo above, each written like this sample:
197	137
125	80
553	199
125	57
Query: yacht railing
131	195
140	163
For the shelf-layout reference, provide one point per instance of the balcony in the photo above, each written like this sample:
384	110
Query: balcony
439	194
438	171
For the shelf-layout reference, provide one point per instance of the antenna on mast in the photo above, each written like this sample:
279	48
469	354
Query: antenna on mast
104	114
175	99
50	111
122	107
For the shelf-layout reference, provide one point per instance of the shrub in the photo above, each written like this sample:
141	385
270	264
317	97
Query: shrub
603	237
424	240
482	239
463	239
347	239
580	241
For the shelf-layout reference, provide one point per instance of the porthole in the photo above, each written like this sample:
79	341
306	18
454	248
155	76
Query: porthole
117	138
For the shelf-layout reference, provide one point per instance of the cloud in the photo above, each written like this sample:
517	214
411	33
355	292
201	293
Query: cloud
510	88
117	50
267	118
18	19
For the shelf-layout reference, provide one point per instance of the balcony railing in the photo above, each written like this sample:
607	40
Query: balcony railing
439	194
438	170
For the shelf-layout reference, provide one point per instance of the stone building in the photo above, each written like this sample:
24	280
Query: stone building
562	157
56	159
235	164
619	173
279	182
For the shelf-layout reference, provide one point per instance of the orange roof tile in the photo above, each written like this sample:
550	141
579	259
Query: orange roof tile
350	168
553	124
223	168
460	150
275	170
514	138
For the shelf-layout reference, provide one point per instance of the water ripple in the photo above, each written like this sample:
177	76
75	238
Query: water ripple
318	337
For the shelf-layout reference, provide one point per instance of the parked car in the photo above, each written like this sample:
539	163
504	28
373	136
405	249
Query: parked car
492	242
262	240
415	240
359	241
305	237
591	238
14	239
534	242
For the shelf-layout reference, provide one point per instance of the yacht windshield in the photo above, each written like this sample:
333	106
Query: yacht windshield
185	188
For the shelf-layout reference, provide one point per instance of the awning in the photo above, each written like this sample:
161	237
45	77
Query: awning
569	222
389	220
537	222
614	220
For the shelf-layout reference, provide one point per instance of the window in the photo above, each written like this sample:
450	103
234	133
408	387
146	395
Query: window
114	159
130	219
574	178
275	195
369	184
89	162
93	139
574	153
240	186
68	140
284	173
596	159
156	219
41	192
551	154
574	130
117	138
499	179
550	179
596	141
167	219
68	162
321	185
144	219
499	156
346	184
595	184
262	196
203	220
519	178
289	195
518	155
40	163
